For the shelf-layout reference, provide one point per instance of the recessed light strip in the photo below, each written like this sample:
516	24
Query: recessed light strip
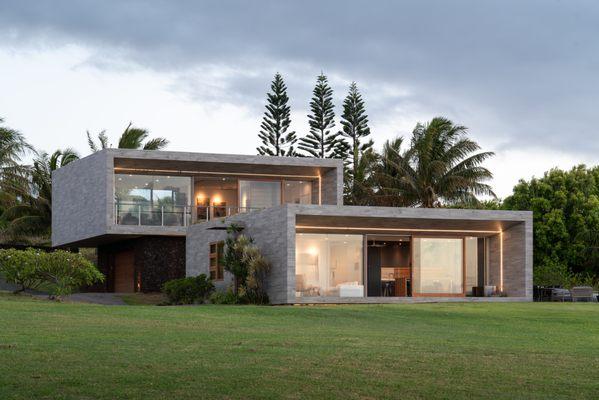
348	228
233	174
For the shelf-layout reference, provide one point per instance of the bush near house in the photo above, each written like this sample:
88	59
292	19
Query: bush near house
21	267
190	290
63	270
228	297
244	260
68	271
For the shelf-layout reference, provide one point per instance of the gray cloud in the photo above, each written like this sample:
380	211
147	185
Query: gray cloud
518	72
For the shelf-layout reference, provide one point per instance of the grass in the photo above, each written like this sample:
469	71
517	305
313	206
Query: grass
143	299
505	351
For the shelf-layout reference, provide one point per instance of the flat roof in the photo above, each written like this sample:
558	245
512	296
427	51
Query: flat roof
187	162
397	219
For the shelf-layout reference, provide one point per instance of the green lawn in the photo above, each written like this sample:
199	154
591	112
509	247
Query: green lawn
502	351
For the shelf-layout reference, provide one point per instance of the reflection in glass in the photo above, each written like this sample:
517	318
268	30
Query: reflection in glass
437	266
152	199
259	194
297	192
329	265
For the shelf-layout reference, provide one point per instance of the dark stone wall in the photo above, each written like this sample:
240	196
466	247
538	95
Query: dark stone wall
157	260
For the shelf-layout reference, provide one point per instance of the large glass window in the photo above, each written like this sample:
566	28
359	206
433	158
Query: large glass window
329	265
152	199
438	266
297	192
259	194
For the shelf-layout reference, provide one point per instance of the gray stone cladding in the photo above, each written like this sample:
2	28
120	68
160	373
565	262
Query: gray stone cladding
80	198
273	231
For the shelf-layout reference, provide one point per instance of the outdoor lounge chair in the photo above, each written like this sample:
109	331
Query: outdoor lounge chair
582	293
561	295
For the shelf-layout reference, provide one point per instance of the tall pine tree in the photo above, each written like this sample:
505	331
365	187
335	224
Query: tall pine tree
354	143
320	142
276	141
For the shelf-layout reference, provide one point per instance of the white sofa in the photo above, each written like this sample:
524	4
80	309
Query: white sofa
350	289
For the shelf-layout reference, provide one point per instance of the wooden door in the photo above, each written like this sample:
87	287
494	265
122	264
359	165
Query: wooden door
124	272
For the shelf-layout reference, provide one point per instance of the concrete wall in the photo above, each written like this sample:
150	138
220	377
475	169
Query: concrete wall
197	252
81	199
332	186
273	231
517	260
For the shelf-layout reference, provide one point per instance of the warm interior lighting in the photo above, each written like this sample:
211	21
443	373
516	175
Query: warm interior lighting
393	229
313	251
217	200
319	190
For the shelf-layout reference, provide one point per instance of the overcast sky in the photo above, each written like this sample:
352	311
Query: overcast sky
522	75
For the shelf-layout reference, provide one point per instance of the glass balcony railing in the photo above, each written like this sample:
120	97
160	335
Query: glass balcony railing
208	213
127	213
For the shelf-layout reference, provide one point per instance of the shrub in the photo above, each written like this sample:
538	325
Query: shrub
64	270
551	274
188	290
258	267
68	271
21	267
249	267
228	297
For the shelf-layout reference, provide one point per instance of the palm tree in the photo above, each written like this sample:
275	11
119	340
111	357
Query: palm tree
361	184
33	213
438	168
131	138
13	147
13	175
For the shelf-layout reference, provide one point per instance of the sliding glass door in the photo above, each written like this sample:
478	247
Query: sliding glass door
438	266
329	265
259	194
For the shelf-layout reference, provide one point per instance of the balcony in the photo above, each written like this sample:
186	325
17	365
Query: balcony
210	213
131	213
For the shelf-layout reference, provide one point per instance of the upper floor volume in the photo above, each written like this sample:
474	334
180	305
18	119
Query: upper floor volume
117	192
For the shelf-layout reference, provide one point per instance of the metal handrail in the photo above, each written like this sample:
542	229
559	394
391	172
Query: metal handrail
208	213
154	214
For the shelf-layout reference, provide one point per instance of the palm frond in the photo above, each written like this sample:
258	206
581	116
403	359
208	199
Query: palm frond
156	144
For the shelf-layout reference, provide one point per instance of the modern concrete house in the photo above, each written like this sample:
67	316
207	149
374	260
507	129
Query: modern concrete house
157	215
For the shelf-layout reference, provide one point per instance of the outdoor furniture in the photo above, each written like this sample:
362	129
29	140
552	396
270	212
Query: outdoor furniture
543	293
478	291
582	293
561	295
351	289
490	290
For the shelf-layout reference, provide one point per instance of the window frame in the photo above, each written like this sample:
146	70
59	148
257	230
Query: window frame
215	253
